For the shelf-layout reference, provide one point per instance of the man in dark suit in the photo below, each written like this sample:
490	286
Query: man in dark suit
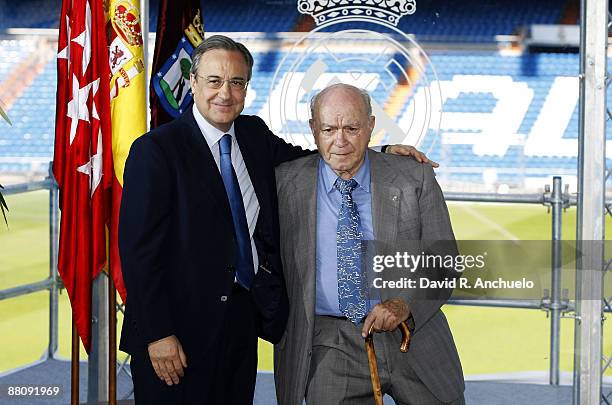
199	241
330	208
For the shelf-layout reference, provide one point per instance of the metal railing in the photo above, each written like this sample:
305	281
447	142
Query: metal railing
555	305
53	282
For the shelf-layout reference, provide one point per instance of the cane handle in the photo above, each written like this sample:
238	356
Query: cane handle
405	337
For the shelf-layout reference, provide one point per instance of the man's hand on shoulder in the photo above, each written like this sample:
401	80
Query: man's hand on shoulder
168	359
386	316
407	150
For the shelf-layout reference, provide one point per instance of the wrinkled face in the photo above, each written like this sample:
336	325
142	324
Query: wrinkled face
342	129
220	107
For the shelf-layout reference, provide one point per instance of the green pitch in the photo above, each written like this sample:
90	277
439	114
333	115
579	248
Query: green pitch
489	340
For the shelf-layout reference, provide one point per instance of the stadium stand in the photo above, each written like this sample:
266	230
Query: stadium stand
472	21
494	103
468	143
13	53
478	21
543	74
250	16
27	86
509	117
29	14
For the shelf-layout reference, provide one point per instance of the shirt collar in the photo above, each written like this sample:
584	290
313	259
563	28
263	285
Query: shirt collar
362	177
211	134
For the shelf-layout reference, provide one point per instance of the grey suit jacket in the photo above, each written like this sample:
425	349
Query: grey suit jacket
407	206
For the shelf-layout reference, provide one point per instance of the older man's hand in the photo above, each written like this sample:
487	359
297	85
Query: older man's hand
168	359
407	150
386	316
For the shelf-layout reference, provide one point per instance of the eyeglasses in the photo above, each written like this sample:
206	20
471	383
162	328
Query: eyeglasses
215	83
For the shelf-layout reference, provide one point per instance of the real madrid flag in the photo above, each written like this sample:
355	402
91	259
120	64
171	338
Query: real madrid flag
179	30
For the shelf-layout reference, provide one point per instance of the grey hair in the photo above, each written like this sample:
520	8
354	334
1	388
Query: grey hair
220	42
316	99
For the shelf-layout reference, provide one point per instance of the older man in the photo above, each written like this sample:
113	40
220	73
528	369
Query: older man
360	196
199	241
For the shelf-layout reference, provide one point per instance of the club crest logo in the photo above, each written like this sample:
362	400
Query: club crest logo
358	42
334	11
171	83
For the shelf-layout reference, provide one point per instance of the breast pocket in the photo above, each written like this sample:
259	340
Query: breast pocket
409	221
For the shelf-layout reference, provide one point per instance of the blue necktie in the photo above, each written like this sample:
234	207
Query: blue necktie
351	294
245	269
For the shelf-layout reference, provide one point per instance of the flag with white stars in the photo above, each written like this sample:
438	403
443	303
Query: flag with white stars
82	162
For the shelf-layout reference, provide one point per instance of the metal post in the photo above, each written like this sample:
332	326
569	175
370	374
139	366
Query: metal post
591	192
97	368
74	367
112	342
53	255
144	23
556	202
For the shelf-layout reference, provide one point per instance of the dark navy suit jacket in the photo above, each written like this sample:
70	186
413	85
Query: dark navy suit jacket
176	236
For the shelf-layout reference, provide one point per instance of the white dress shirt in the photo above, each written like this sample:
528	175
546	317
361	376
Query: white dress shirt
251	205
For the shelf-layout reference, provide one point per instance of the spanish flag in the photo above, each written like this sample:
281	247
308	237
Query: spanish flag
128	105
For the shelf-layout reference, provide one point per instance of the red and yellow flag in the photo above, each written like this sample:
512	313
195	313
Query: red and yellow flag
128	105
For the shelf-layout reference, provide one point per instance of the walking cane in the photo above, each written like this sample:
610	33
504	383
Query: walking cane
369	342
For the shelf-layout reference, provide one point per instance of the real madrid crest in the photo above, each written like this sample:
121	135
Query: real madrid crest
358	42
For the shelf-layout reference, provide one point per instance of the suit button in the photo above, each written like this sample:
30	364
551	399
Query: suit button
231	269
223	298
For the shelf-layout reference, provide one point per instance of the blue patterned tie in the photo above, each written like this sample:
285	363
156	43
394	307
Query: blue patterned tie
351	295
245	269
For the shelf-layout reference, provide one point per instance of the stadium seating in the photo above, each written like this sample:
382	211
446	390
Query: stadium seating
30	14
249	16
27	145
538	76
494	105
477	20
473	21
438	20
13	52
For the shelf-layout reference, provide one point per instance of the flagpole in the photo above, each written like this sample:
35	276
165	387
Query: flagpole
144	22
74	370
112	342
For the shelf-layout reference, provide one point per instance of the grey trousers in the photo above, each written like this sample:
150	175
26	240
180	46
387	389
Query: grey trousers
340	375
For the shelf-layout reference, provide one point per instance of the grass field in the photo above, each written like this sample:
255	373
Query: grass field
489	340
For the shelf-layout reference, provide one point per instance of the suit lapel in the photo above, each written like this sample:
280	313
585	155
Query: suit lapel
204	167
305	200
386	198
